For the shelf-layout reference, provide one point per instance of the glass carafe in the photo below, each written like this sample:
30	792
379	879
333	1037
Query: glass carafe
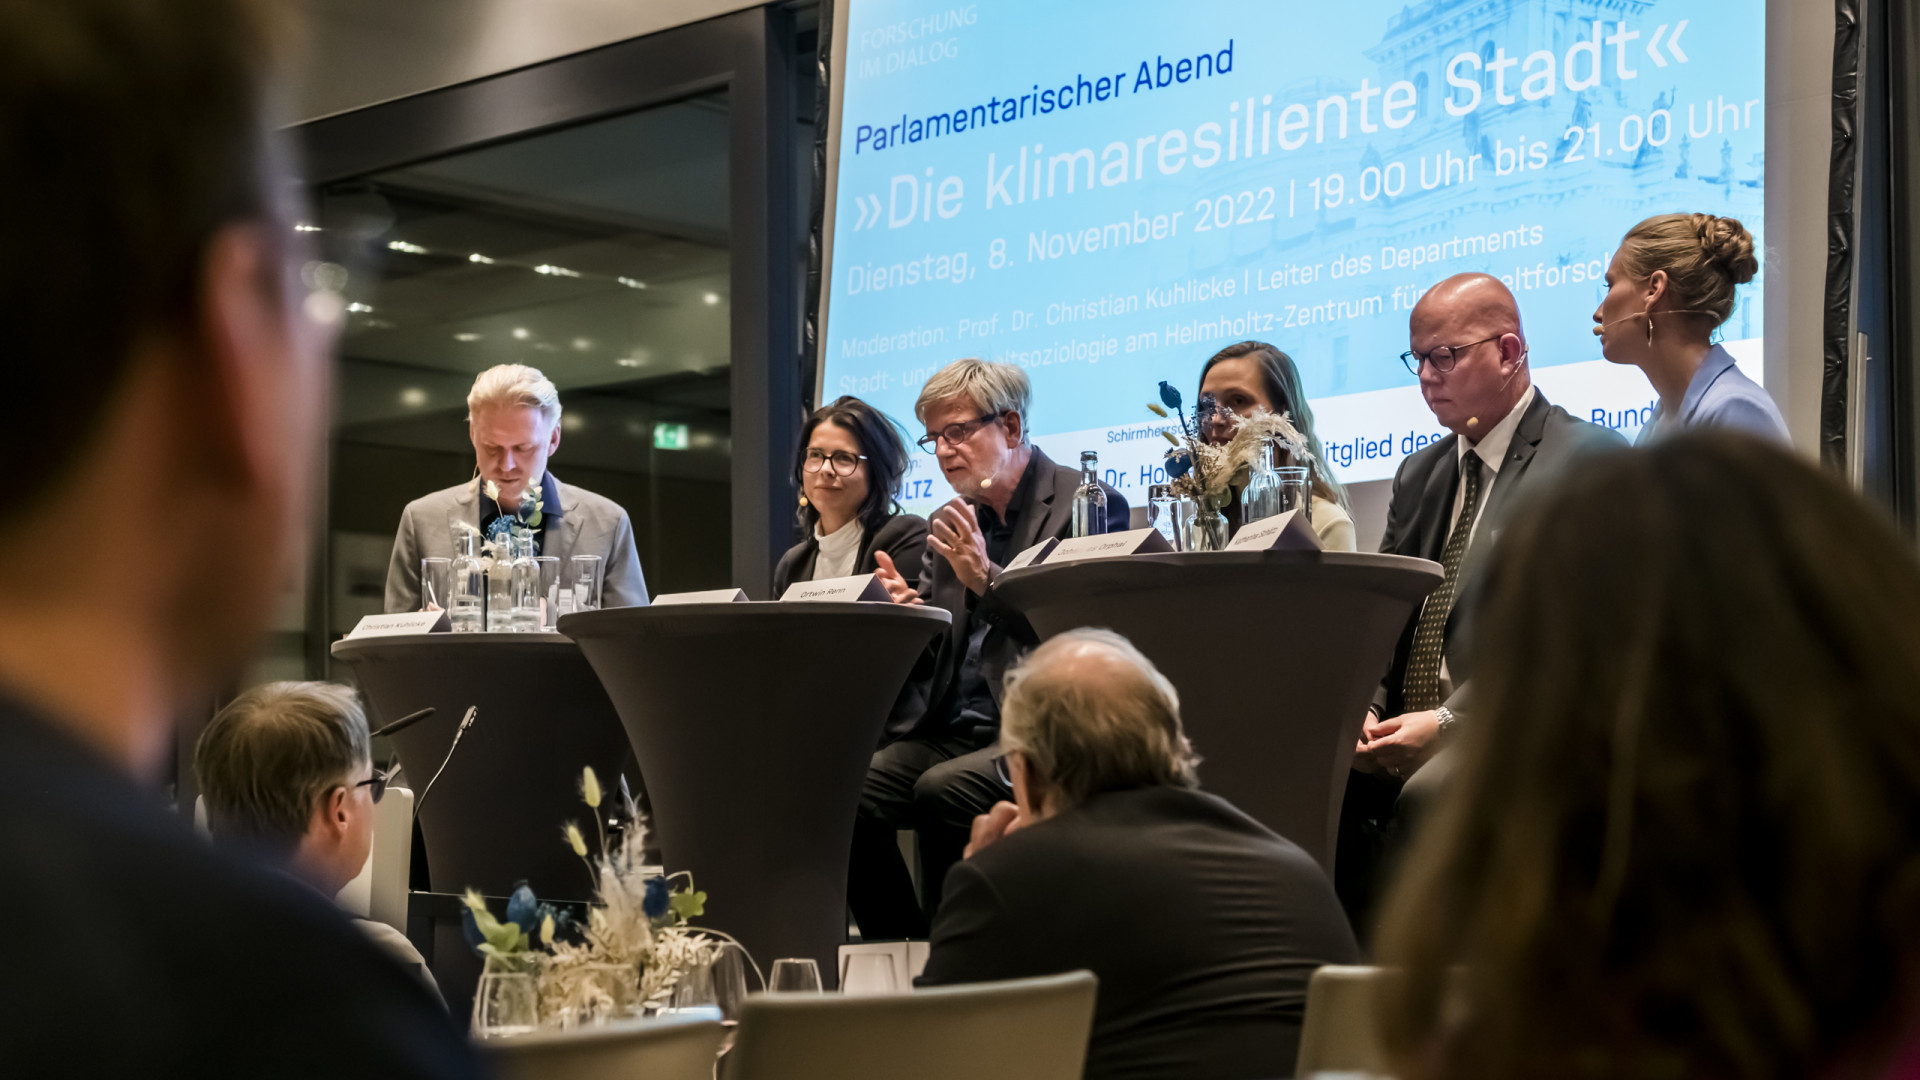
1261	498
467	595
523	585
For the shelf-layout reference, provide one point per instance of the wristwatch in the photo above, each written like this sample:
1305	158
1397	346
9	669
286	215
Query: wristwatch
1447	720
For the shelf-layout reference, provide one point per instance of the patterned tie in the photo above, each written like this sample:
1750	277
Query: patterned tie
1422	687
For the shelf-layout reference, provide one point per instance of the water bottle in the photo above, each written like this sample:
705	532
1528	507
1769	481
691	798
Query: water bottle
1089	499
467	596
1261	498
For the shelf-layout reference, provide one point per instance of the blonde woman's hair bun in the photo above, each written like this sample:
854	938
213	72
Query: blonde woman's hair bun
1729	244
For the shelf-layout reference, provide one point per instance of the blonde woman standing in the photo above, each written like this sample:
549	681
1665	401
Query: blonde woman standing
1669	287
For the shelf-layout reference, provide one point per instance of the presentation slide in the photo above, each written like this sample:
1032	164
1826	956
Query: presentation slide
1109	193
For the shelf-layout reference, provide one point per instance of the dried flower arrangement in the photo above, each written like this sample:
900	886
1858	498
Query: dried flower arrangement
1208	472
635	946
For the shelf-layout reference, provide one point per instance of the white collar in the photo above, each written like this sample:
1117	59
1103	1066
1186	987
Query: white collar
843	538
1492	447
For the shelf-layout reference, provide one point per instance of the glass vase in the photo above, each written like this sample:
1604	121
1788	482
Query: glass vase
507	1002
1207	530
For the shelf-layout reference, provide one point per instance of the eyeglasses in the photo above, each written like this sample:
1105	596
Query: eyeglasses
1002	770
955	434
1442	357
378	782
839	463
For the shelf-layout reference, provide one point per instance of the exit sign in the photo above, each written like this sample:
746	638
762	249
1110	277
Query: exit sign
670	436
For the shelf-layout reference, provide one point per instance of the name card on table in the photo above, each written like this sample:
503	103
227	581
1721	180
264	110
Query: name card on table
1108	545
839	589
709	596
1034	555
1281	532
404	622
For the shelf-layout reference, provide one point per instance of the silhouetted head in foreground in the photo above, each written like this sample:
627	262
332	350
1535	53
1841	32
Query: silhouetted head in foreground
1684	836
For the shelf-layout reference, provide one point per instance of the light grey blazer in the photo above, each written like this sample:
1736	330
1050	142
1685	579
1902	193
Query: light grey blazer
587	524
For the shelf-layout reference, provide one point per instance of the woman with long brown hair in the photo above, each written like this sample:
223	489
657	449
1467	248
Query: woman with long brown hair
1683	837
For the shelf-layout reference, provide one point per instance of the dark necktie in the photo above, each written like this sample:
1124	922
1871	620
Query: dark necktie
1422	687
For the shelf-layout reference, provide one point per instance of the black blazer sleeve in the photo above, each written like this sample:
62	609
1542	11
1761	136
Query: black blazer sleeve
797	560
973	940
904	539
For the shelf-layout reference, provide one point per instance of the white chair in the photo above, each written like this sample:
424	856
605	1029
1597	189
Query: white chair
1340	1033
380	891
653	1050
1023	1029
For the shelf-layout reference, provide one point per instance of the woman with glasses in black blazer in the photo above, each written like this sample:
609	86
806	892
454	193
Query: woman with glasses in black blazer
851	461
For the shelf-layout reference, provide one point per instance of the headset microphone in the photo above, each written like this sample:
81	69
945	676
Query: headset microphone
1474	421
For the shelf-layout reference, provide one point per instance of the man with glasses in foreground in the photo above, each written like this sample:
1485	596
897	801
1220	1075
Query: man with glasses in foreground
289	780
1449	500
935	780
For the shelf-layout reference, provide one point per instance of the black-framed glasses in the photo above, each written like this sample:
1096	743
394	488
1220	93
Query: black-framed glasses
1002	770
377	782
1442	357
954	434
839	462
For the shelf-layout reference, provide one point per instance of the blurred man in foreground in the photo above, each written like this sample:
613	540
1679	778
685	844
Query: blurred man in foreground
176	370
1202	924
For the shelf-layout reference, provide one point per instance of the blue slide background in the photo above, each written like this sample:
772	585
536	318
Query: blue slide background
931	260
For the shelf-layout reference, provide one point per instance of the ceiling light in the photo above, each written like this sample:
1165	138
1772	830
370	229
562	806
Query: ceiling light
413	397
304	227
573	422
359	308
466	337
546	346
519	333
630	361
555	271
402	245
631	283
711	298
582	344
476	257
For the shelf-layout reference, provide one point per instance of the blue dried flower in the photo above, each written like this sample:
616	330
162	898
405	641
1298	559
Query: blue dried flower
655	904
1179	463
1169	396
470	930
523	908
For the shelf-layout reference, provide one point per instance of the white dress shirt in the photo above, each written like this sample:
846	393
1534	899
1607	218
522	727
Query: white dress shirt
838	550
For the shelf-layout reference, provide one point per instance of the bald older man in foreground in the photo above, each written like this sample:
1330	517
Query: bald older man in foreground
1202	924
1449	501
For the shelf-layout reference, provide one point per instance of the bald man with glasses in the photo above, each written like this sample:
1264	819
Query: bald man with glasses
1469	351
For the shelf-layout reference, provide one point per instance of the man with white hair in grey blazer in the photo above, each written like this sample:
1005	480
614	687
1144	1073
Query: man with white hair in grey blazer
513	418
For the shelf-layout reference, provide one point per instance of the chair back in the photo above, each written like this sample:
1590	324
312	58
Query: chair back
653	1050
379	891
1340	1032
1022	1029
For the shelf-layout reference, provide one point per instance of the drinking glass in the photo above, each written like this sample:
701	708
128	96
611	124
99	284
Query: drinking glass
693	995
1296	491
436	584
549	590
586	582
1170	514
791	976
729	970
867	974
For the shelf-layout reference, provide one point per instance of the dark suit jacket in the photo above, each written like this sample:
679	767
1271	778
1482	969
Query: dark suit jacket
140	951
903	538
1202	924
1046	511
1419	517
